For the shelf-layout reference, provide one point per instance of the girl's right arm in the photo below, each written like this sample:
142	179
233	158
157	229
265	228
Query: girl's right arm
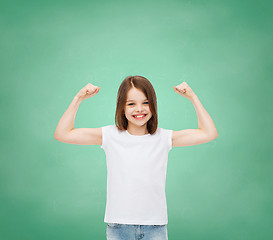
65	131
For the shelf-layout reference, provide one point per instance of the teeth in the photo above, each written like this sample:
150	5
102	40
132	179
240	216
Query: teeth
139	116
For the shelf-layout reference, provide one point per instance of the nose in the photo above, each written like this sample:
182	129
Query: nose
139	107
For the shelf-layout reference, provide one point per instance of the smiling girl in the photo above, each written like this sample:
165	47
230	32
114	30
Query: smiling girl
137	154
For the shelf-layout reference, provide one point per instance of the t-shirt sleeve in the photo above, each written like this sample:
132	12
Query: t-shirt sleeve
106	133
168	138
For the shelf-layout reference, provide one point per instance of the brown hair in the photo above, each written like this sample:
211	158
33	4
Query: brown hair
144	85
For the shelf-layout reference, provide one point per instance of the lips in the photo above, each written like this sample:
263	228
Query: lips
144	115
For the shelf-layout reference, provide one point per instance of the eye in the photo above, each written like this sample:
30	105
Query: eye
133	103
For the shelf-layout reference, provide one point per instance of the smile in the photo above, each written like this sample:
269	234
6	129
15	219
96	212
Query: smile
139	116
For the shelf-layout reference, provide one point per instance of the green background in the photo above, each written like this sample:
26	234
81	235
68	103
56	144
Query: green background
219	190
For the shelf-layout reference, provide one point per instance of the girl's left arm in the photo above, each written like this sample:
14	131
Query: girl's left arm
206	129
205	122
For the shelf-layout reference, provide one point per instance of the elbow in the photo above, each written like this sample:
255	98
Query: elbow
213	136
56	137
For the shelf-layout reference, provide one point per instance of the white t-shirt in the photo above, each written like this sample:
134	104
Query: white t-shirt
136	176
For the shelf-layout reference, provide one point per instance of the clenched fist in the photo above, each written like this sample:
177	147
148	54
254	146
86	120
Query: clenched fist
88	91
184	90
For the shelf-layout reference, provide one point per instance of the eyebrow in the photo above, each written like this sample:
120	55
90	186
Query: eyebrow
133	100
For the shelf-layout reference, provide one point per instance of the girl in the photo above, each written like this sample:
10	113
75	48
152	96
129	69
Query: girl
137	154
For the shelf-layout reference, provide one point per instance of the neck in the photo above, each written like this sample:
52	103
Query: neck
138	130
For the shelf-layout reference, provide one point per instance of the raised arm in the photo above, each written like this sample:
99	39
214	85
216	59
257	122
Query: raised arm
206	131
65	131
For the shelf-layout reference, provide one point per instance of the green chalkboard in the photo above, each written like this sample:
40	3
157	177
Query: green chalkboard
220	190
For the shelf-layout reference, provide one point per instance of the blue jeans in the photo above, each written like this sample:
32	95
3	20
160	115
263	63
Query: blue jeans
117	231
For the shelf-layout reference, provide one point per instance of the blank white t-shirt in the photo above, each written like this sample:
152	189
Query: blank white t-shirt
136	176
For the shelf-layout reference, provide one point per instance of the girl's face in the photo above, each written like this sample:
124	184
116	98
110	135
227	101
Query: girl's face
137	104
